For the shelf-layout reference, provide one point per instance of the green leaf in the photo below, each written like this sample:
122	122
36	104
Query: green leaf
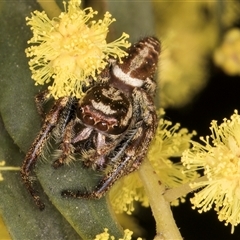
23	219
62	218
88	217
17	89
133	17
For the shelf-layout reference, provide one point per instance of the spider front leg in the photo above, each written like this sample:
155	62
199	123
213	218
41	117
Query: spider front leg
37	147
132	150
40	99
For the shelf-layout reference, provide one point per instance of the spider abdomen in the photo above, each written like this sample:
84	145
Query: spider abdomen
140	64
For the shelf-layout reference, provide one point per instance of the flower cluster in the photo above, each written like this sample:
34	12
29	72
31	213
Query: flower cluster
196	38
219	158
71	49
106	236
170	141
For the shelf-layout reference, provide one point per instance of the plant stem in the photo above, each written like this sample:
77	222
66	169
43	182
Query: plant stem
174	193
50	7
165	223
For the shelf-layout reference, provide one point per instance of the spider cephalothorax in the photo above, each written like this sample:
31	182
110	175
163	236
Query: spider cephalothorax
112	125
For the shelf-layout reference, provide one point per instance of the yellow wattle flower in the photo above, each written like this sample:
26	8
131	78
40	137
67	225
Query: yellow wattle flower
219	158
70	49
106	236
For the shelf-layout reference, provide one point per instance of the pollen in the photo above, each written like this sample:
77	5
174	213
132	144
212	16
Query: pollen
218	157
70	50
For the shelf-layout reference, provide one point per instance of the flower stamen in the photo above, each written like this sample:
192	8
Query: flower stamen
71	49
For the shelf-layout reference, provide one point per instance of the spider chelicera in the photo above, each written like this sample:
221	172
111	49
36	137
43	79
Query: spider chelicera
112	125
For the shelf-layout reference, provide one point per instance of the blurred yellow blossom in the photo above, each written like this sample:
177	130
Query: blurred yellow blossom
170	141
6	168
70	49
219	158
4	234
106	236
189	32
227	56
125	192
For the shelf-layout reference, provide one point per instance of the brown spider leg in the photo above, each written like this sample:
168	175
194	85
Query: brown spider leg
37	146
134	152
40	99
66	147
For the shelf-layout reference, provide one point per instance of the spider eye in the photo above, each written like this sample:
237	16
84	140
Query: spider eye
115	126
102	126
88	120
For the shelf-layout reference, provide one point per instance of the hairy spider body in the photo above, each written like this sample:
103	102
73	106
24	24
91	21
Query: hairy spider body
112	125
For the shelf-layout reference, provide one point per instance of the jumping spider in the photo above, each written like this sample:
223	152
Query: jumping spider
112	125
